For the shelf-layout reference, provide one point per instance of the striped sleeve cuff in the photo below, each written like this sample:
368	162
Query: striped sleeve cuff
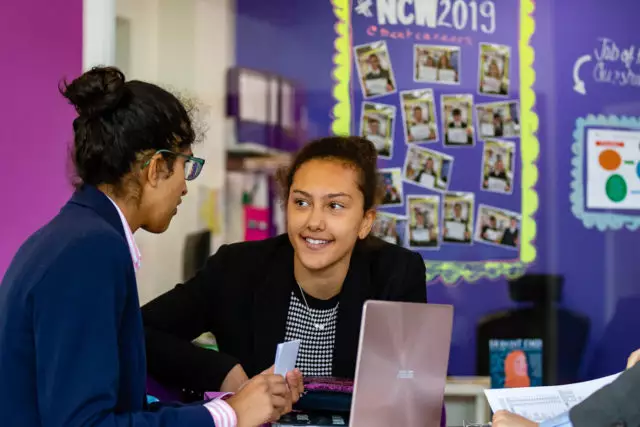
222	413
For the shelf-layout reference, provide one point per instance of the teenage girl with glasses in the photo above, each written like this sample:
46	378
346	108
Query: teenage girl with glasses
71	335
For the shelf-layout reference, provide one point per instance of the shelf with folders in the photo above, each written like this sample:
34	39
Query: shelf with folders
267	123
268	163
267	114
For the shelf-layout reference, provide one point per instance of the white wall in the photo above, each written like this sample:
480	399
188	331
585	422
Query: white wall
187	45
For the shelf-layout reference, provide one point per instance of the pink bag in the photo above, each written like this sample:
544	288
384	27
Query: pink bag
333	384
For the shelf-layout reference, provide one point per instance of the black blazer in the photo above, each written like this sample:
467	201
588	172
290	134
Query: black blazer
242	297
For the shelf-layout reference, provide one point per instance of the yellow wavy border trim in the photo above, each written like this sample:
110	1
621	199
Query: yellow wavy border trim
341	124
451	272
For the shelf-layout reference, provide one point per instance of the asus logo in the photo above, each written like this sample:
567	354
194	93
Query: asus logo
405	374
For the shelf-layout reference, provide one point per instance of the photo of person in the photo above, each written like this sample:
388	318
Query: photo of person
374	69
392	181
499	119
423	212
498	227
427	168
457	118
436	64
390	228
457	225
516	370
498	164
494	69
418	116
377	125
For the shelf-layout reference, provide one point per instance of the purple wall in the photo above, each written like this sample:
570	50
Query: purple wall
599	267
41	43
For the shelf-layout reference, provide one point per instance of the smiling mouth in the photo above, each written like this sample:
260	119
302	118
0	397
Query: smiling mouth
316	244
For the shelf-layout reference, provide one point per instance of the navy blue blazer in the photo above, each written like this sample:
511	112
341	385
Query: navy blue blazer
72	350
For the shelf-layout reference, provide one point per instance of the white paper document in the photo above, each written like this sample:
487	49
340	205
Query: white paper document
542	403
420	132
421	235
457	136
286	356
487	129
447	76
427	74
497	184
427	180
491	235
376	86
456	230
378	141
491	85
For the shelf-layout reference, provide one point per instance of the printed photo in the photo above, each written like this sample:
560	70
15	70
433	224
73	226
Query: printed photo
392	182
494	65
498	227
424	214
427	168
374	69
457	225
419	116
436	64
498	164
390	228
499	119
377	122
457	120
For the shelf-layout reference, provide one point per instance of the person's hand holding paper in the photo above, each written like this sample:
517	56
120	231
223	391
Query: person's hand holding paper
507	419
263	399
285	365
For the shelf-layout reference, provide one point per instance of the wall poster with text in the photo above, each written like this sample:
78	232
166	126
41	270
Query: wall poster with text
443	88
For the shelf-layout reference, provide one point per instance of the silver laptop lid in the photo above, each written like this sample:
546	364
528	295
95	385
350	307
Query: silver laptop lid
402	364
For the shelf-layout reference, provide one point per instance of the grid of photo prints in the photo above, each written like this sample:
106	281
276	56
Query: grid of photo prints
435	128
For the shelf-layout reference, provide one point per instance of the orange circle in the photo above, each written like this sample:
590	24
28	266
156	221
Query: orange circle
610	160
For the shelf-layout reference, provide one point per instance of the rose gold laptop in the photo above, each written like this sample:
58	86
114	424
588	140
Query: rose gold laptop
402	364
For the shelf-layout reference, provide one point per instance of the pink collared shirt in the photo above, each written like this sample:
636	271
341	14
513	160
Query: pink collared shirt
222	413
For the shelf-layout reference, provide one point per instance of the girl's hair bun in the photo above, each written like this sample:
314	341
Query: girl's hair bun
96	92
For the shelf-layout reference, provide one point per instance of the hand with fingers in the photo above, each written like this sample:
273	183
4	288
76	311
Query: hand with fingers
507	419
266	397
296	385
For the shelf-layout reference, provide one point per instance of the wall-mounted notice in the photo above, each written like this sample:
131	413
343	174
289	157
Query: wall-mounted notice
613	169
441	87
606	172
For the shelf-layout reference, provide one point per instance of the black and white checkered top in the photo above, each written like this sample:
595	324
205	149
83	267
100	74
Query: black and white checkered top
316	350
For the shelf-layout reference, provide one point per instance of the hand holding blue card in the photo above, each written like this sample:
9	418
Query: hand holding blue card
286	356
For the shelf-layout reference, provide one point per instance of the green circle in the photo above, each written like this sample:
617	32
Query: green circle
616	188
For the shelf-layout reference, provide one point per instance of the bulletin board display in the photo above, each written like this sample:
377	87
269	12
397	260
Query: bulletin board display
443	89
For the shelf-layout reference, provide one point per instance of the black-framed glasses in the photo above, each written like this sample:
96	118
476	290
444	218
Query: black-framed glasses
192	165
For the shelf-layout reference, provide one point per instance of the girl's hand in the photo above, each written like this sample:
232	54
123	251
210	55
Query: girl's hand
633	359
507	419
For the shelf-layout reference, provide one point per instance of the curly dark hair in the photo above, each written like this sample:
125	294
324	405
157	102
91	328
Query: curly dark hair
118	122
354	150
